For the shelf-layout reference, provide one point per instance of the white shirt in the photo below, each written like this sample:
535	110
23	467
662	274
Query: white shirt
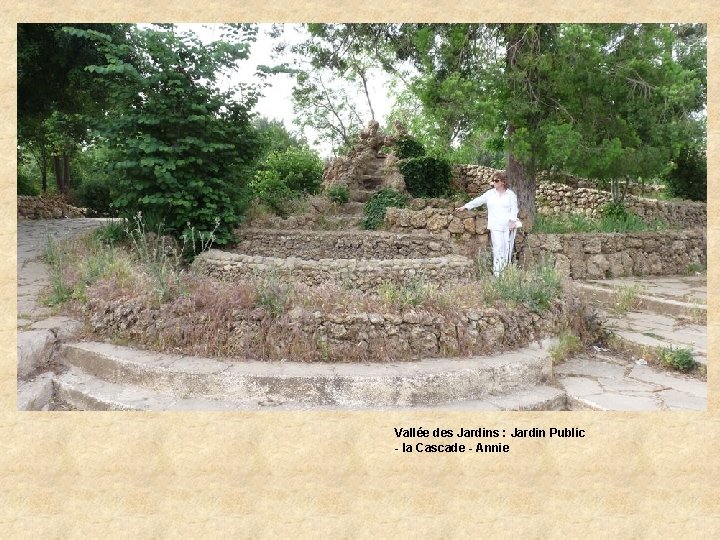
501	208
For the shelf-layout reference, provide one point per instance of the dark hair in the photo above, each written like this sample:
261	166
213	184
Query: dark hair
502	176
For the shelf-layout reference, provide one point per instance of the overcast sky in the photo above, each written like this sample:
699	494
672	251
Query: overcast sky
276	103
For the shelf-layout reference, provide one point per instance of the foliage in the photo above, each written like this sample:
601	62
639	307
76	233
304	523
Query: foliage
184	148
57	98
627	298
77	265
322	103
338	194
611	223
409	294
377	205
676	358
275	137
299	168
598	100
534	287
112	233
426	176
408	147
274	294
272	191
688	177
567	345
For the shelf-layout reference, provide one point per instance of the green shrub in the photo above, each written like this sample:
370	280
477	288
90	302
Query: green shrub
614	210
426	176
299	168
112	233
96	195
627	298
680	359
338	194
272	191
377	205
274	294
534	287
567	345
407	147
688	178
25	184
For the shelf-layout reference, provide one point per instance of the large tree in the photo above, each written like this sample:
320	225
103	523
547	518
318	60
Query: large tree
609	101
184	148
56	94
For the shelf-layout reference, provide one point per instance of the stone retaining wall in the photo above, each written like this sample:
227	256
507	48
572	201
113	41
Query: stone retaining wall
364	275
47	207
340	244
583	256
562	199
581	198
346	337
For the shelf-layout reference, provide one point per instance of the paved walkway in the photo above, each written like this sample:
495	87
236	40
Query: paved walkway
671	314
596	380
37	328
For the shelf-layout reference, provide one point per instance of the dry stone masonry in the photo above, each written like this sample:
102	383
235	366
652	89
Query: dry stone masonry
589	256
563	199
340	244
47	207
367	168
359	274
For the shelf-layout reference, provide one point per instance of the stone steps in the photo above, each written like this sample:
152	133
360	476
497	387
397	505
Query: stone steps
666	313
606	294
108	377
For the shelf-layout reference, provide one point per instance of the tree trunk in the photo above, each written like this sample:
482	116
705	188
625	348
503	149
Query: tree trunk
520	176
61	166
57	169
66	174
521	180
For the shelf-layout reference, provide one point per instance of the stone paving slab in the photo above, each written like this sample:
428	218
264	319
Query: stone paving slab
605	382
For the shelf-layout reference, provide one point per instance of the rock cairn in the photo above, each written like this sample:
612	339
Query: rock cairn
368	167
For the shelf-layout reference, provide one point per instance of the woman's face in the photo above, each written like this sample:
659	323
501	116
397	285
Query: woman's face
498	183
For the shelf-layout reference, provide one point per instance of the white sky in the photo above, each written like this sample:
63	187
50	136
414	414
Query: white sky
276	102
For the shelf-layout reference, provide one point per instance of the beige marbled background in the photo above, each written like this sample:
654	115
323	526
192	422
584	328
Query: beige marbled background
336	475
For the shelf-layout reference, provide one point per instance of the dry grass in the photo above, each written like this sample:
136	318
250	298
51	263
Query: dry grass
162	305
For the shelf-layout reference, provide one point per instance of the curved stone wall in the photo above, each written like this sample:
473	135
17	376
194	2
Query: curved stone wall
360	274
342	336
310	245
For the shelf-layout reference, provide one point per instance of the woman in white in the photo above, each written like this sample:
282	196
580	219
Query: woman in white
502	219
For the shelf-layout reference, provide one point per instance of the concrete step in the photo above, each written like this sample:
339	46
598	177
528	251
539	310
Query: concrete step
179	381
643	332
667	301
77	390
536	398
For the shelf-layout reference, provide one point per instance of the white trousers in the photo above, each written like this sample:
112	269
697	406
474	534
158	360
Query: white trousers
502	246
